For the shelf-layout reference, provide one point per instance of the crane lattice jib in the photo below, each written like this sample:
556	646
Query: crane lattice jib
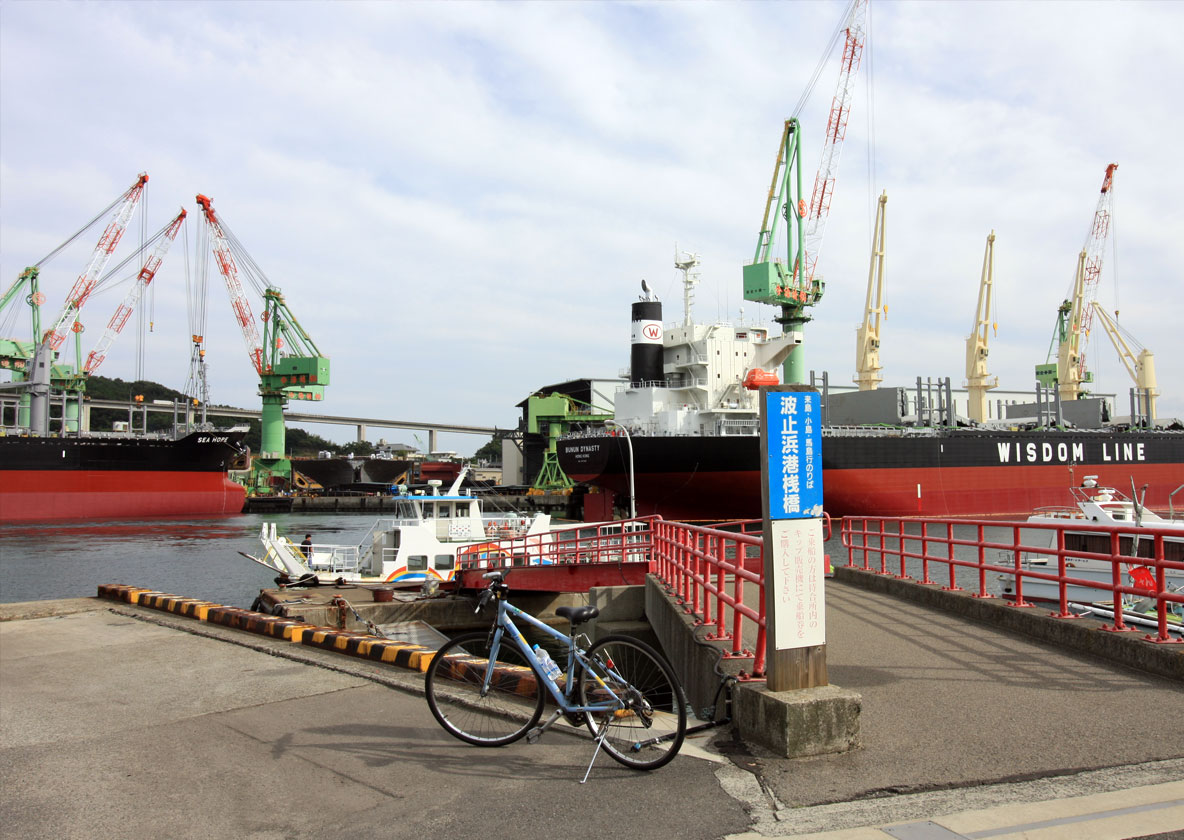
239	304
132	300
87	281
1095	251
836	132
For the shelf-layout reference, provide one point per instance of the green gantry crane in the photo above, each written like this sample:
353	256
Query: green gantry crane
285	357
553	415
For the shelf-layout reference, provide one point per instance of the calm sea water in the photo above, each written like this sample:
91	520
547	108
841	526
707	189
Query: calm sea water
196	558
199	558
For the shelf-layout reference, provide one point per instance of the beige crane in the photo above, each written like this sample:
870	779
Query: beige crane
1068	366
1141	367
867	337
978	380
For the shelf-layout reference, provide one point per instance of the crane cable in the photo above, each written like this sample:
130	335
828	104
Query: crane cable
822	62
869	62
80	231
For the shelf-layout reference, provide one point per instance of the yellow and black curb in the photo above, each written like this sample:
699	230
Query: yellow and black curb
399	654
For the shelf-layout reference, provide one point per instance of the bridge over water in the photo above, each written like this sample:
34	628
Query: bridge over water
361	424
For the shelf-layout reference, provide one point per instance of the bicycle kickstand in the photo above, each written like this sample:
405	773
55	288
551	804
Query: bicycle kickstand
596	752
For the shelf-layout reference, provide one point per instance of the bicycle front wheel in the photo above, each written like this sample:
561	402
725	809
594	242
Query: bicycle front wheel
479	706
647	727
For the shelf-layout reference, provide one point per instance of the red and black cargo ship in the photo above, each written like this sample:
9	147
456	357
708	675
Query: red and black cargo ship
693	430
99	477
938	472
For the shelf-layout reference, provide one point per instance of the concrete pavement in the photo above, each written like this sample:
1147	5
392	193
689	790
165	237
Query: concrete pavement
131	723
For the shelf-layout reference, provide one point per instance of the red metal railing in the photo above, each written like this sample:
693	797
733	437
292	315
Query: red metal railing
628	540
707	570
1054	562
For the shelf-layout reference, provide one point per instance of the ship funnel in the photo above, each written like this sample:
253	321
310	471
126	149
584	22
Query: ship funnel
645	355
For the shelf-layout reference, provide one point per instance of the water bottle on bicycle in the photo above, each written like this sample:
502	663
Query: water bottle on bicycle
489	688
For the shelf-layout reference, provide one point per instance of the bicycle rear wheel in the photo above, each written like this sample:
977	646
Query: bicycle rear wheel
649	730
488	715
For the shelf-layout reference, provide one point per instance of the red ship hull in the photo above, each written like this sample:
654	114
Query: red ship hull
49	495
93	477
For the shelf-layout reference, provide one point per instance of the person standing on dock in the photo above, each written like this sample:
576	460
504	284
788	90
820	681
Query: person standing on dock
306	546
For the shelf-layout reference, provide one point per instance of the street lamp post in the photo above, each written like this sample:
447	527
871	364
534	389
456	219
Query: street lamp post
629	443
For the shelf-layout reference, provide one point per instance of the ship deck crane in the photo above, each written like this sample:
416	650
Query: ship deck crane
1140	365
286	359
978	380
1075	314
867	338
553	415
793	284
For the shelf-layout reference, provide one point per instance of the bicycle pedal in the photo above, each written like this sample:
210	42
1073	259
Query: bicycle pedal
532	737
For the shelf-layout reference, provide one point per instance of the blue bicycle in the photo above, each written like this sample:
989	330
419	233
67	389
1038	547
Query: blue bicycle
489	688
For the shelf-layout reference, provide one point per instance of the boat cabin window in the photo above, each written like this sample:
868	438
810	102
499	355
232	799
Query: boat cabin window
445	510
405	510
462	509
444	561
428	511
417	563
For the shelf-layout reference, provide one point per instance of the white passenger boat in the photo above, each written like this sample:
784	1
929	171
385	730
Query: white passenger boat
433	534
1096	505
419	543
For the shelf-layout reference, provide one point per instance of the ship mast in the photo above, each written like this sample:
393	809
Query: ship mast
690	279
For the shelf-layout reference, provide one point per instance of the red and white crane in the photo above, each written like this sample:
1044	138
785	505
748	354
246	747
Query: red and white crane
836	132
132	300
1075	314
220	245
1095	248
55	336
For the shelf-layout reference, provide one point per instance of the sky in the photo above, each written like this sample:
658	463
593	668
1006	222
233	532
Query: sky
460	199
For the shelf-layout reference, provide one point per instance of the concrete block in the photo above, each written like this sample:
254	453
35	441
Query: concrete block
618	603
795	724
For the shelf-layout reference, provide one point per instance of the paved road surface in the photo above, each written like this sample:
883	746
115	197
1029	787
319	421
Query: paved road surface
117	726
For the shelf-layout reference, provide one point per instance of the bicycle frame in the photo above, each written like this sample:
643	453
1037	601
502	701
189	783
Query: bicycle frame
504	625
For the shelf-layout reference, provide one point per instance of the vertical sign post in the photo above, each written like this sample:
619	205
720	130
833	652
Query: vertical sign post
791	488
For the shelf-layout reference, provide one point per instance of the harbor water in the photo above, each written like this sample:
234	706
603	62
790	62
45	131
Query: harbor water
200	558
196	558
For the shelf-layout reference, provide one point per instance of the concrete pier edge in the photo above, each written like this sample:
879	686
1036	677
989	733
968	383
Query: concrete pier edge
1132	649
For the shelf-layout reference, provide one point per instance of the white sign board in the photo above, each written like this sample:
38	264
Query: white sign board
798	579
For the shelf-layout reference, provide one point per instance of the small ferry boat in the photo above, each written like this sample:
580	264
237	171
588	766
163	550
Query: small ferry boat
420	542
434	535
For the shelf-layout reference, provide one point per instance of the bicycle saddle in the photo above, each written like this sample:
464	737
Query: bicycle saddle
578	615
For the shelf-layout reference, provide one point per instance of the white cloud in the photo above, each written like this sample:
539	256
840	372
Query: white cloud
458	200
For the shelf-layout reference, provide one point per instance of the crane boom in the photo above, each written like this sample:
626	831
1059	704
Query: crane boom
978	380
86	282
1095	248
836	132
867	340
1141	367
132	300
238	298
